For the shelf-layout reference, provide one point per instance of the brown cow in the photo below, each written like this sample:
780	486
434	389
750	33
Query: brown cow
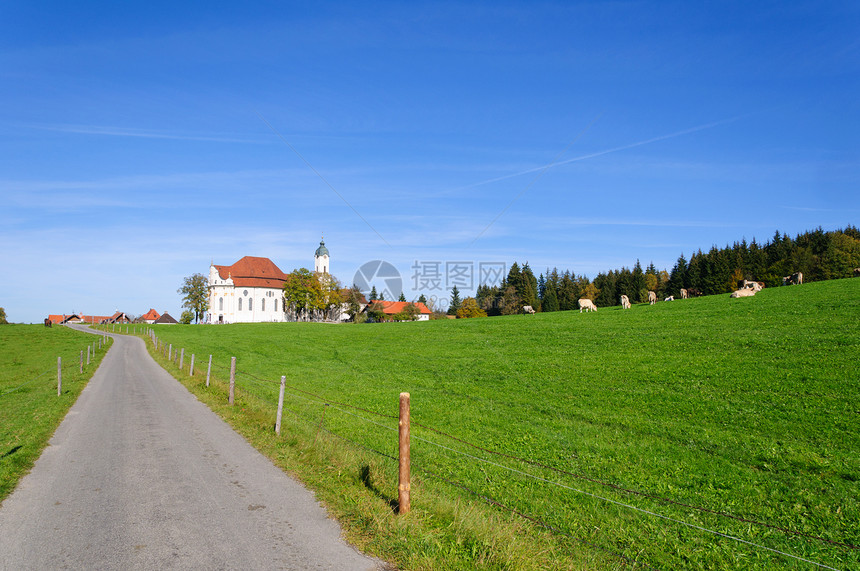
48	322
587	305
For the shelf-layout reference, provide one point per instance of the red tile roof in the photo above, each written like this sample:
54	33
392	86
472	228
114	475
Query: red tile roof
150	315
392	307
252	271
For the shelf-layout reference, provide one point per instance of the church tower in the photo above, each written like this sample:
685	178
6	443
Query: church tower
321	259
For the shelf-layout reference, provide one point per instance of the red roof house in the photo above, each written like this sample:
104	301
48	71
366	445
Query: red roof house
395	307
150	316
252	271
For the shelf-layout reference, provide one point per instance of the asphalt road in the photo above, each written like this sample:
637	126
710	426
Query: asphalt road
141	475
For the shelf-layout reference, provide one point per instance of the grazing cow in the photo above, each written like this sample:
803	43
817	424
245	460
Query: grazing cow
794	279
625	302
670	298
652	297
683	293
693	292
856	272
746	284
744	292
587	305
48	322
528	309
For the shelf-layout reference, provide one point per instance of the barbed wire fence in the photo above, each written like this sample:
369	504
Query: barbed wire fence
371	431
68	362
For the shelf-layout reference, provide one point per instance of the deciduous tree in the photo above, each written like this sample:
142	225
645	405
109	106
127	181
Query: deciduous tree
469	308
195	288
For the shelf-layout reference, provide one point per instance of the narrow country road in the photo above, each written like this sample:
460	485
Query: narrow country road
141	475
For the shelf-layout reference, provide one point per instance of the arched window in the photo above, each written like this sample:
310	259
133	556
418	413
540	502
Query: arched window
250	303
276	306
240	304
220	304
263	305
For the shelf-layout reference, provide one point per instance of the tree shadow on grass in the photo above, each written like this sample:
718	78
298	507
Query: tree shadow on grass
364	476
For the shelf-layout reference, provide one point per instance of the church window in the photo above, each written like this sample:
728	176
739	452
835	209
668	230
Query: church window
240	304
263	305
250	303
220	304
276	306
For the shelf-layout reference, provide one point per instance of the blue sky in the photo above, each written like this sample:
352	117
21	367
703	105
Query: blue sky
140	143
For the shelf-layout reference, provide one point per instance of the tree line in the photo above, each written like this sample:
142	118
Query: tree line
818	254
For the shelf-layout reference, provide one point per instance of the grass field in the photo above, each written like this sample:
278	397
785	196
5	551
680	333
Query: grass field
30	409
646	436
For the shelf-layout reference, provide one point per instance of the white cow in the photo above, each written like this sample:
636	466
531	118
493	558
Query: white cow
528	309
683	293
625	302
744	292
755	286
652	297
587	305
670	298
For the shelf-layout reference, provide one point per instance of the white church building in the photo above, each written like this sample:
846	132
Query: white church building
252	289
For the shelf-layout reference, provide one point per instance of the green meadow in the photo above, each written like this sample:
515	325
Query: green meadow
708	433
30	410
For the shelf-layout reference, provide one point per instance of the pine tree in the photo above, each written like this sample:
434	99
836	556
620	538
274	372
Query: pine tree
402	297
528	287
455	301
638	285
550	298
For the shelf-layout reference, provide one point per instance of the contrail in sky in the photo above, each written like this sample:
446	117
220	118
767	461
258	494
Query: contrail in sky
605	152
141	133
535	179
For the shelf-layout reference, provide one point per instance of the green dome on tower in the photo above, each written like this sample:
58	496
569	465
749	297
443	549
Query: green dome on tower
322	250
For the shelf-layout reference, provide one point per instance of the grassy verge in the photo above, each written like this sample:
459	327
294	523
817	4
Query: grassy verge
30	410
734	416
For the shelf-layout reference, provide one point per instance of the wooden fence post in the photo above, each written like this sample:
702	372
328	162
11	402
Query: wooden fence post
88	354
170	352
191	369
403	487
208	370
59	376
280	406
82	362
181	357
232	379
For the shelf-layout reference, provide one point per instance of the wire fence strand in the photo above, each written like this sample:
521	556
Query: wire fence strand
314	398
